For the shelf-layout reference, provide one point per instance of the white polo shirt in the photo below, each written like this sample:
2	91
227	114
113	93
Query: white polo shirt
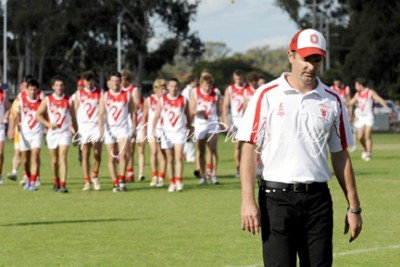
295	130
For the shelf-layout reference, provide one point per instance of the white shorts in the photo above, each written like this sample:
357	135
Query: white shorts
201	131
169	139
56	138
88	133
114	135
364	121
139	136
2	132
236	123
28	142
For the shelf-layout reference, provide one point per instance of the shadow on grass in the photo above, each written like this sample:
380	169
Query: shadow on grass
68	222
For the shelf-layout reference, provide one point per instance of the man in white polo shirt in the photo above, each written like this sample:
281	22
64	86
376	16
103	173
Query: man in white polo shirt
294	121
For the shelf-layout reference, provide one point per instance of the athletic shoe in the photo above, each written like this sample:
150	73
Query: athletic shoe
122	187
130	178
12	176
26	186
214	180
1	179
367	158
37	182
179	186
153	181
33	188
364	155
237	174
202	181
56	188
353	149
63	189
160	182
116	189
96	184
197	174
86	187
171	188
141	178
24	180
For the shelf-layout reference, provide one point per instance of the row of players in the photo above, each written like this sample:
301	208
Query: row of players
111	116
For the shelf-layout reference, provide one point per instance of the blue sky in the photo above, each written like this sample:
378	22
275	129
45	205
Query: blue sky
241	25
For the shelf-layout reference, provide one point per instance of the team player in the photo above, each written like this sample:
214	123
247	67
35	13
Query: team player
189	147
364	98
205	107
234	98
4	108
30	132
342	89
115	107
86	108
251	87
57	108
140	139
158	157
174	111
127	85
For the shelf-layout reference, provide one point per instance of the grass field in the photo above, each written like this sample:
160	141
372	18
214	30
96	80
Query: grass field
198	227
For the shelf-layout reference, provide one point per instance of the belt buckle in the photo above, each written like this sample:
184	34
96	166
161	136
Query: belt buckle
300	188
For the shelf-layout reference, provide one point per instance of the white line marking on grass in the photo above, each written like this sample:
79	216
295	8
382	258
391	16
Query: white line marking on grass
253	265
360	251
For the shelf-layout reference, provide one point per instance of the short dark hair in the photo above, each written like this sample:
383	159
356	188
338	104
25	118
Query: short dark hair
113	73
238	72
173	79
190	78
252	77
33	82
56	78
27	78
88	75
362	81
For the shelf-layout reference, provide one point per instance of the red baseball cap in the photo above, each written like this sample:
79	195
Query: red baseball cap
308	42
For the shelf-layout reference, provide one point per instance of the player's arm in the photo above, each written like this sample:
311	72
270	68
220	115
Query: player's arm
193	106
379	99
11	121
72	111
136	98
145	117
218	105
188	116
343	169
351	104
132	107
157	115
102	115
225	107
40	115
249	210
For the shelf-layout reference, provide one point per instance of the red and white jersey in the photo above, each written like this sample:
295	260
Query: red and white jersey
117	108
208	103
152	102
237	100
249	92
89	108
24	94
173	113
27	108
3	96
295	131
58	111
131	89
365	102
343	91
139	113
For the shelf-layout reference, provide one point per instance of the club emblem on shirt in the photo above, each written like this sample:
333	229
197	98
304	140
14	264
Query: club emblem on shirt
323	111
281	111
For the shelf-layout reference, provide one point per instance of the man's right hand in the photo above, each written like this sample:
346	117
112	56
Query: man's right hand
250	217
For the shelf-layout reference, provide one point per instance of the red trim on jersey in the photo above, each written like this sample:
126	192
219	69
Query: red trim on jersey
256	125
343	138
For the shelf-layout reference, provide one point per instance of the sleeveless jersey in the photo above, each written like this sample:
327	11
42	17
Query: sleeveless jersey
343	91
173	113
139	113
88	110
117	108
152	102
28	108
365	102
208	103
3	96
24	94
248	93
58	111
237	100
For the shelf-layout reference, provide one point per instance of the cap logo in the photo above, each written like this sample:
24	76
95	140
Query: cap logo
314	39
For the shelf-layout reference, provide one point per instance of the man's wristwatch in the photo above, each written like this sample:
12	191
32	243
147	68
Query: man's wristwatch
355	210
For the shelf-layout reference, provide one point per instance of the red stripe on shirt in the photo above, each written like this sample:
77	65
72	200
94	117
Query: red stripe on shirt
256	122
342	131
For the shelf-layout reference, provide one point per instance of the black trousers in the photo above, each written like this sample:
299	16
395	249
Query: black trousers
296	224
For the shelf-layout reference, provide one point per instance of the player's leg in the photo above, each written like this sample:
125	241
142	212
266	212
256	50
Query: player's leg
111	165
212	144
361	139
141	159
153	162
178	156
54	166
63	165
237	154
97	149
162	164
123	147
26	158
368	141
201	159
16	161
86	164
130	167
170	168
34	159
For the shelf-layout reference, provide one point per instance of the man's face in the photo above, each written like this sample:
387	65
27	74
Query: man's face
172	87
125	82
305	69
58	87
32	91
89	84
238	79
115	83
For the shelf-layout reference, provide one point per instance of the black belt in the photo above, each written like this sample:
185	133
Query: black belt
297	187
